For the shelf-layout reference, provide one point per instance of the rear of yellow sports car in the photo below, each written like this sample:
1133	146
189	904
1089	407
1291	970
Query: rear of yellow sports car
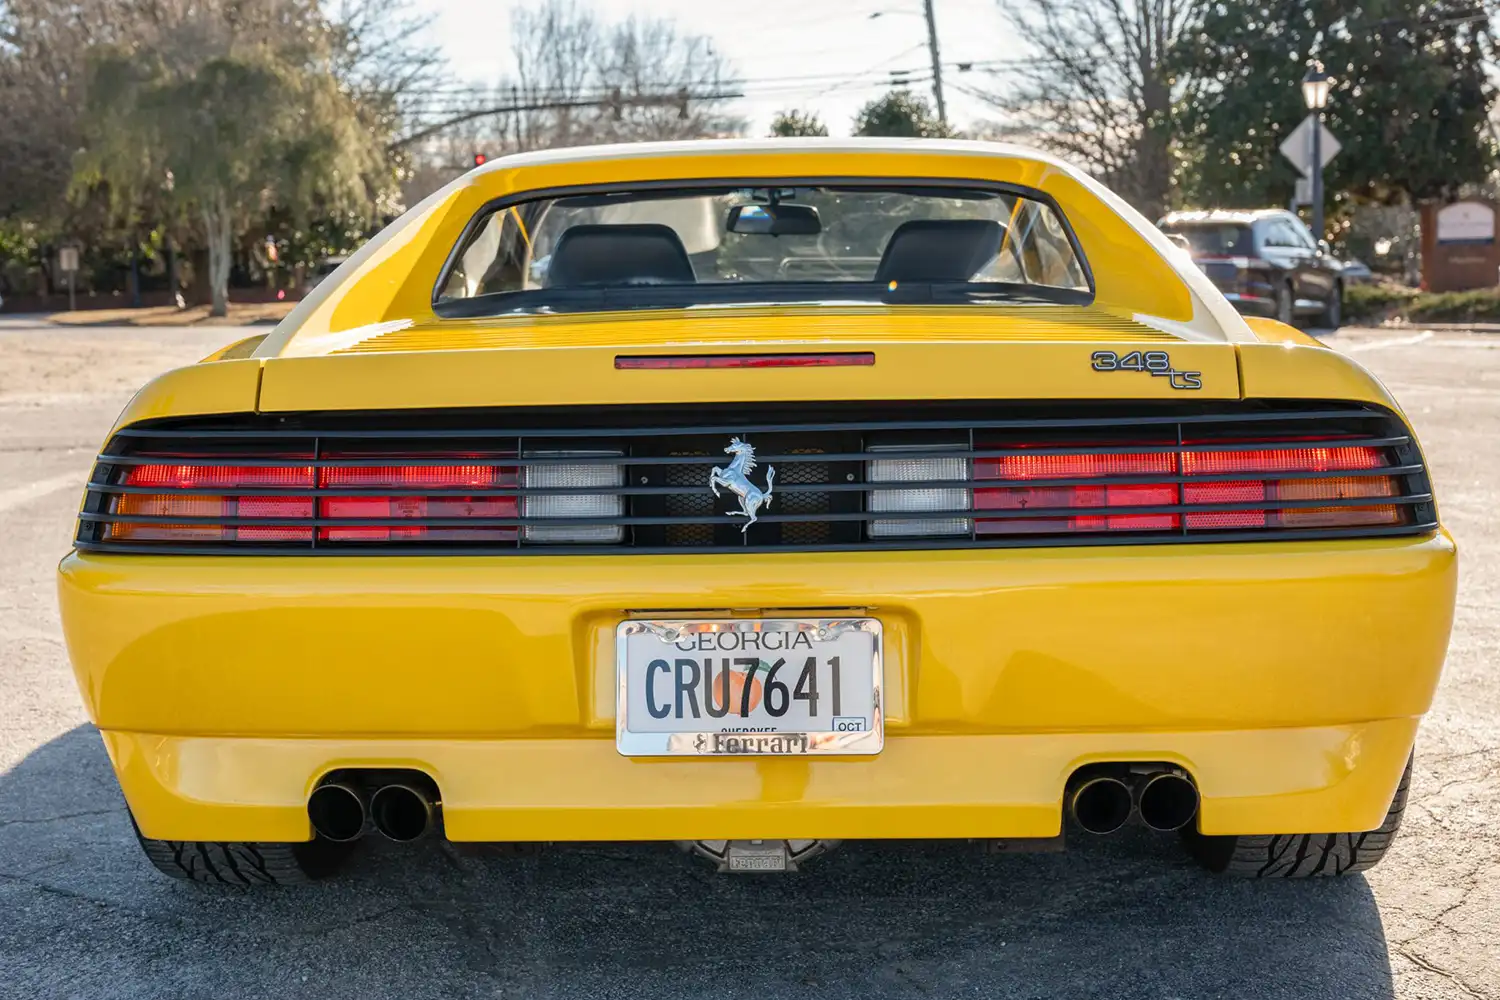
784	494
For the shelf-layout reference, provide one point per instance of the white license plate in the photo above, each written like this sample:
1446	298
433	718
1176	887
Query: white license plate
749	687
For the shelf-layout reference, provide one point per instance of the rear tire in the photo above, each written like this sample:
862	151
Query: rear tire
1333	309
244	864
1284	304
1300	855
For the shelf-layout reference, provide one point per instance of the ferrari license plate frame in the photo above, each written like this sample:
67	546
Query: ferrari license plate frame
749	687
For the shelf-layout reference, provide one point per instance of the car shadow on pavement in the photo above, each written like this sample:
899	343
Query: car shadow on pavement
81	913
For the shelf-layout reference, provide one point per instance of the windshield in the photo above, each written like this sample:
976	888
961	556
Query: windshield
701	246
1215	238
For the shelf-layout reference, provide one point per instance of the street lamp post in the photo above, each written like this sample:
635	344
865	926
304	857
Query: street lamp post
1315	87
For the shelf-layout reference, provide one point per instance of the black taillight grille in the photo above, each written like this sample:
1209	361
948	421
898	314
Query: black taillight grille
847	477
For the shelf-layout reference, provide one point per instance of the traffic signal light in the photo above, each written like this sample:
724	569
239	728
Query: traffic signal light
479	159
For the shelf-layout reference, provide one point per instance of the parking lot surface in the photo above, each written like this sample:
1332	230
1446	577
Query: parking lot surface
81	913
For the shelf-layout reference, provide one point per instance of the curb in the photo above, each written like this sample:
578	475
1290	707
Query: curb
1443	327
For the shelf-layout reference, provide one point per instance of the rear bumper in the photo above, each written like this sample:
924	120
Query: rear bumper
1251	781
1286	677
1252	305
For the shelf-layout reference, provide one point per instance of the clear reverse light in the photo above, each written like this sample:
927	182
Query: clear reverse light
918	470
580	505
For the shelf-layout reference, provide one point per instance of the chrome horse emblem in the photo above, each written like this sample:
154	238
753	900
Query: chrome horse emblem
736	479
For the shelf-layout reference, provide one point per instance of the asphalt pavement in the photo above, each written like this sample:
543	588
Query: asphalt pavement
83	915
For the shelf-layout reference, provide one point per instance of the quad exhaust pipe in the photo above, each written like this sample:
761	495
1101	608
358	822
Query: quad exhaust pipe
1167	801
401	813
1164	800
342	810
1101	804
338	810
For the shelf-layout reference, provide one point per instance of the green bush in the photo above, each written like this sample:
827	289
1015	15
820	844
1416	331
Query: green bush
1379	303
1476	306
1375	303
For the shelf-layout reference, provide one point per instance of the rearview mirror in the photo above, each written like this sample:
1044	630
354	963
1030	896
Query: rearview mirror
774	220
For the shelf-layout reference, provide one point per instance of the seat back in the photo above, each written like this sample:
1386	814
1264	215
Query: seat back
939	250
625	254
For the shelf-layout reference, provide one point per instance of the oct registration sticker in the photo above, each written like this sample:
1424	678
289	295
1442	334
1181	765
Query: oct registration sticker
749	687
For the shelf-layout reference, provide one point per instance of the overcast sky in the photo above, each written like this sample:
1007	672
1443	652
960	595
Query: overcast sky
826	55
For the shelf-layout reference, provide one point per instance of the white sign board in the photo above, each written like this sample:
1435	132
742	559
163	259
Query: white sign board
67	259
1466	222
1297	147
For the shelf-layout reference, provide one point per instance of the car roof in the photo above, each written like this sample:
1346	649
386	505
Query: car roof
800	144
1224	215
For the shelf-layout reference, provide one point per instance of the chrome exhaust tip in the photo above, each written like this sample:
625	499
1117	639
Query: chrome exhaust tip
1100	805
401	813
1168	801
337	811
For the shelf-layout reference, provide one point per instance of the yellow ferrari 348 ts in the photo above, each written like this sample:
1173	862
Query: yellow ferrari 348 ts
755	496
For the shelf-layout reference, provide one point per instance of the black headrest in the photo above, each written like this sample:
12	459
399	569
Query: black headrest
939	250
626	254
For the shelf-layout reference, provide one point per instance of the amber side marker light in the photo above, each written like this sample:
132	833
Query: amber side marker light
671	361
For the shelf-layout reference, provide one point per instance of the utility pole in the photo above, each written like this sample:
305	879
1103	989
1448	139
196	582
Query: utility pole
1317	177
1315	88
937	65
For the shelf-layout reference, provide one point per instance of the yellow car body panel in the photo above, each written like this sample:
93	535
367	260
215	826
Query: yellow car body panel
207	387
414	662
1286	677
909	369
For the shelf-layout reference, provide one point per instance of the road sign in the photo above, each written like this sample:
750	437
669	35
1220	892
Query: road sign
1297	147
67	259
1303	192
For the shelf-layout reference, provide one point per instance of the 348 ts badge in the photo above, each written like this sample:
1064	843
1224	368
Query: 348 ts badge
1158	363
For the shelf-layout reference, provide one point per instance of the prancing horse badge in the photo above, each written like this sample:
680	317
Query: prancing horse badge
737	479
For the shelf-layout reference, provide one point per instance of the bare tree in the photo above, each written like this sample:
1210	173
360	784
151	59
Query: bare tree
1097	88
382	51
633	80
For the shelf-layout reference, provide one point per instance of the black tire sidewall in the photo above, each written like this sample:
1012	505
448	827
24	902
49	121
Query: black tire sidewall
1333	314
1285	304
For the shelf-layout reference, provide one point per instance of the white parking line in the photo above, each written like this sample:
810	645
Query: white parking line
1376	345
42	487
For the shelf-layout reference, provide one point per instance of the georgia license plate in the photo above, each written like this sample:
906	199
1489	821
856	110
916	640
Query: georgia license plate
749	687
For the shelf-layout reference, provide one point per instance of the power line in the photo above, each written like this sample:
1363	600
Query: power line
613	99
866	72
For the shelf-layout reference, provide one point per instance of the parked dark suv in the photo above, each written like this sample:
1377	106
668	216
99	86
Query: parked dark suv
1266	262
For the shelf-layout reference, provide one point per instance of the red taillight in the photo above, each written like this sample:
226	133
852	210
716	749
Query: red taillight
1097	498
418	508
1321	458
189	483
1082	465
1260	500
435	477
189	476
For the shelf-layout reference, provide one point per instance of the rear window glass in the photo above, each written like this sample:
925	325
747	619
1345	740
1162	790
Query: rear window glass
1225	239
774	243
